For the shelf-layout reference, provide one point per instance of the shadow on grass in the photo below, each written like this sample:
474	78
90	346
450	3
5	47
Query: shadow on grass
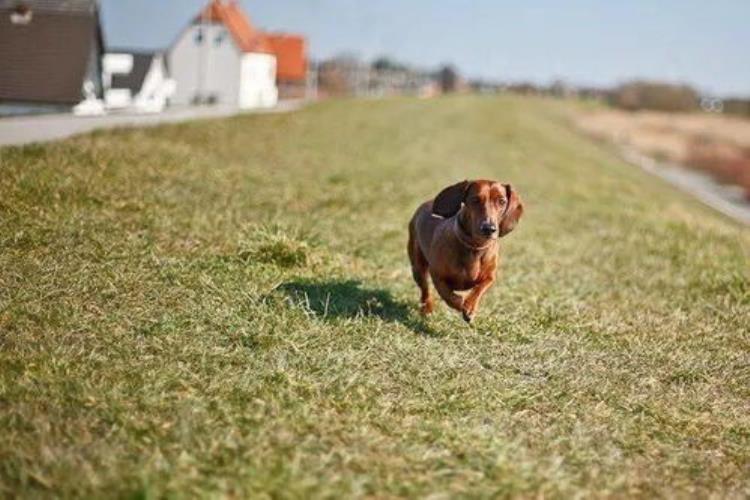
337	299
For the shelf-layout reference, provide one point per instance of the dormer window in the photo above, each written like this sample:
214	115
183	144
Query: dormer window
220	38
21	15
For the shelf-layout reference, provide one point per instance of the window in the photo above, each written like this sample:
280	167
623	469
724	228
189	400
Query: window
199	36
220	38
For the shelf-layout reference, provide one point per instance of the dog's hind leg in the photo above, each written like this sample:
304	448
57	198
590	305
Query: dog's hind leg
420	272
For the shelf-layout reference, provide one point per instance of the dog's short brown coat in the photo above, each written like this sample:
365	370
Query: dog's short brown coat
448	244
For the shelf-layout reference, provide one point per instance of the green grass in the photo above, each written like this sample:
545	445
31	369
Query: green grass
225	308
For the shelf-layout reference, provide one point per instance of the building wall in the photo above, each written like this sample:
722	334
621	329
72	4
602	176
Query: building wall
258	81
94	70
209	69
157	88
46	60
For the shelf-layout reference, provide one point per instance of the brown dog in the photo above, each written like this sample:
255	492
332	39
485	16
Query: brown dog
454	239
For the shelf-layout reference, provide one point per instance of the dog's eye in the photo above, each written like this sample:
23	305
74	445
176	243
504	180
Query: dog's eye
502	201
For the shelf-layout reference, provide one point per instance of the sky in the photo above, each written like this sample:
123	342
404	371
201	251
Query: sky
589	42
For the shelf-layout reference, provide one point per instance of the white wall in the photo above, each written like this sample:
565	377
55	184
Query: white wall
258	81
211	67
116	64
156	88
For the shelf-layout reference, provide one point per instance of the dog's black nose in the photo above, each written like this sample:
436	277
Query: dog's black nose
487	228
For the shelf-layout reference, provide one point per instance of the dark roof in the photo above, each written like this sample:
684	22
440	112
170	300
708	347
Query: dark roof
48	58
134	80
84	6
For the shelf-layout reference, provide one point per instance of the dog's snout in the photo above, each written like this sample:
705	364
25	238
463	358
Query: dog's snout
488	228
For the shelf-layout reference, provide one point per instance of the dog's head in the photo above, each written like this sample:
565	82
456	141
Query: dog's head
488	209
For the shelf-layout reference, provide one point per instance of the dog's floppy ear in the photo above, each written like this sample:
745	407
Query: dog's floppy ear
513	210
448	201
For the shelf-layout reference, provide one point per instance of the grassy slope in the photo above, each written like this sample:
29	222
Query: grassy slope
226	307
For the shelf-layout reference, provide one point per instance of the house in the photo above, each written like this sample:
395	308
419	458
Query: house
220	58
136	80
291	64
50	55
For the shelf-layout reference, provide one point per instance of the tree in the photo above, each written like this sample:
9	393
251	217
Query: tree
448	78
385	63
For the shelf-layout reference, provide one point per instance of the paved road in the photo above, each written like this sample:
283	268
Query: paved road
42	128
725	199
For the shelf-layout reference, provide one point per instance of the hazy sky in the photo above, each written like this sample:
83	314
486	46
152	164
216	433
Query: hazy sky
706	43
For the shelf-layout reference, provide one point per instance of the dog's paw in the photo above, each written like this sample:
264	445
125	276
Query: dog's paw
468	316
426	308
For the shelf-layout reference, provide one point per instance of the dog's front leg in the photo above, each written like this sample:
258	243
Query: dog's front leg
449	296
471	303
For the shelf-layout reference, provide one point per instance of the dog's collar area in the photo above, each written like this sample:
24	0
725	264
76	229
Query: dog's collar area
465	240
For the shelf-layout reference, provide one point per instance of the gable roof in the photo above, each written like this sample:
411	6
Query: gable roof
291	56
47	57
230	14
133	81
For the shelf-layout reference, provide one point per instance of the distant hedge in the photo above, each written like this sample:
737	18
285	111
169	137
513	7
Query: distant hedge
737	107
634	96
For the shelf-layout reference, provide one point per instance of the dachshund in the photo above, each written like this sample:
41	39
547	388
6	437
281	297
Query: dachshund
453	239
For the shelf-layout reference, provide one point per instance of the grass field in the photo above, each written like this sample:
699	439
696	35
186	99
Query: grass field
225	308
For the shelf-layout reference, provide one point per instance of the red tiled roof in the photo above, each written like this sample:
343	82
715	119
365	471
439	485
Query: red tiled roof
291	56
230	14
290	50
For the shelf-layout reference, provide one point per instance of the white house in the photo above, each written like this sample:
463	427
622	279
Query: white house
221	59
137	81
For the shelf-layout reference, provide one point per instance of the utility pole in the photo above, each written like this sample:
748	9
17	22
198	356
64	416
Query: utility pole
311	91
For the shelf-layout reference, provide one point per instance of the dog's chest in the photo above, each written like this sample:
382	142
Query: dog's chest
468	272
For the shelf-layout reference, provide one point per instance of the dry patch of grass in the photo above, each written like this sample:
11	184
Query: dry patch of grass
225	308
719	145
